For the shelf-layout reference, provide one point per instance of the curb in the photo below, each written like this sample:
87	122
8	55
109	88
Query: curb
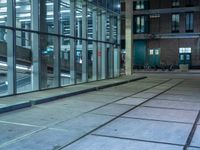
54	98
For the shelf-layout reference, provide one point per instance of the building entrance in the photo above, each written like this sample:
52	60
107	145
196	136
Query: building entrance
185	56
154	57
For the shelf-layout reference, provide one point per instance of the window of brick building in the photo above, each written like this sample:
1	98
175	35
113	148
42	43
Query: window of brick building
175	22
141	24
141	5
175	3
189	22
189	3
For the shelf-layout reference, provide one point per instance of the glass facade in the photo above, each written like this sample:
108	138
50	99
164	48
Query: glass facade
52	43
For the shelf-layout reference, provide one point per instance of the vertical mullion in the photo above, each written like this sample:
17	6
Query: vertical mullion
84	42
95	48
111	67
11	47
72	43
99	29
104	49
119	46
56	68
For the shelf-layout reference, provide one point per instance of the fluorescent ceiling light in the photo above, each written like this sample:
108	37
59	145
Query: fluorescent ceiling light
3	9
49	4
3	16
25	15
24	20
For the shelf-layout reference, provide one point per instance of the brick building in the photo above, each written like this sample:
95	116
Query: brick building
163	31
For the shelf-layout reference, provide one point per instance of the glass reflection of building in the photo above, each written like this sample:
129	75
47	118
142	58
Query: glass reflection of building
52	43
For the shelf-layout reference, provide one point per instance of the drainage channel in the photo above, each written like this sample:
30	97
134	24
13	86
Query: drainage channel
190	137
134	107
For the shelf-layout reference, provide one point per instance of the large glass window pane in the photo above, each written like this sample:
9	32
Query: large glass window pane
90	36
79	42
65	62
23	62
23	14
48	79
3	64
47	16
65	42
79	61
3	49
3	12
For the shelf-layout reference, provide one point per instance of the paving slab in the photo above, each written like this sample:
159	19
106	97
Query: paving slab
39	116
76	105
163	114
106	143
185	88
113	93
175	133
112	109
10	131
157	91
179	98
91	97
84	123
144	95
196	137
48	139
131	101
193	148
183	92
173	104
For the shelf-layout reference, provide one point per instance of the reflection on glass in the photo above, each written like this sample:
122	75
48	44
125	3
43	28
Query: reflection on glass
37	64
65	42
3	63
47	61
23	61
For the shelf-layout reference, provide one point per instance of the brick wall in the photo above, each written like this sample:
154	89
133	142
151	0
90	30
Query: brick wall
170	49
165	23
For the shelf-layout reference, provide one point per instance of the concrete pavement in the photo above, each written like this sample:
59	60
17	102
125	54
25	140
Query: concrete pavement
157	113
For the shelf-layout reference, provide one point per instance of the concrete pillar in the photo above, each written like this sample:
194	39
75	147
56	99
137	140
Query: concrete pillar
104	63
72	43
95	48
56	69
11	47
84	42
36	57
129	37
